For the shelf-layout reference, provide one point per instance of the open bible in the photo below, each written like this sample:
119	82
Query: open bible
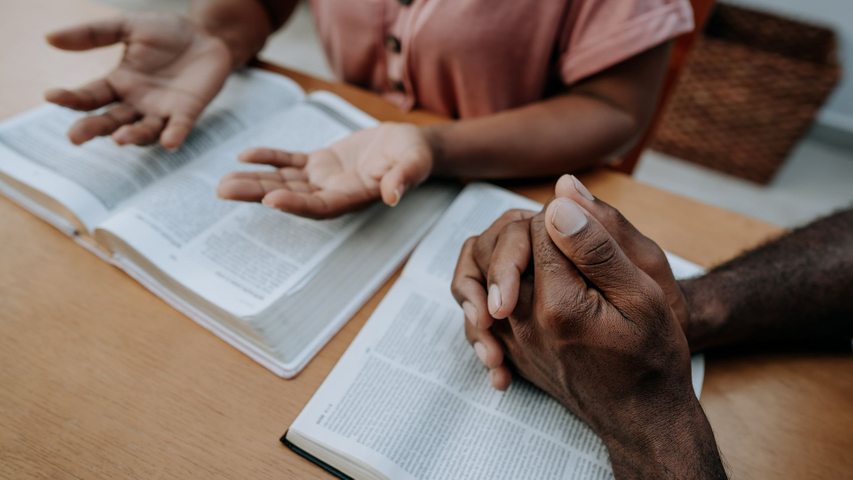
410	399
274	285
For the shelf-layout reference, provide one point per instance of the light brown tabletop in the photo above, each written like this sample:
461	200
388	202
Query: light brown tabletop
99	378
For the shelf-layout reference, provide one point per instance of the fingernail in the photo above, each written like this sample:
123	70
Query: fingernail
480	349
470	312
397	196
582	189
494	298
267	203
568	217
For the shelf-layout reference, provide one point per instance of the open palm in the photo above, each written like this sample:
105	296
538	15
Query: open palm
381	162
170	71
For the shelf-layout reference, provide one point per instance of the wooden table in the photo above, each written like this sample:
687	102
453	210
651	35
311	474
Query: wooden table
99	378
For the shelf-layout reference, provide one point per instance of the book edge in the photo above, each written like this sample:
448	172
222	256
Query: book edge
311	458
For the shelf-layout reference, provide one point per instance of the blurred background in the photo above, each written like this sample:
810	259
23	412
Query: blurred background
780	150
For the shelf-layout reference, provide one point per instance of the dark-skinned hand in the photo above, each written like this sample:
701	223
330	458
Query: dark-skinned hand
599	334
490	267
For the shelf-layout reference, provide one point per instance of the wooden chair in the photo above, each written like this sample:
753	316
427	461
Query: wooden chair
680	49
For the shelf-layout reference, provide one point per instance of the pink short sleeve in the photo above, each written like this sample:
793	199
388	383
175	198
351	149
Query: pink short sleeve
603	33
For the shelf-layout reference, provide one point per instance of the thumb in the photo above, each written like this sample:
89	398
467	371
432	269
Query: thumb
594	252
407	172
640	249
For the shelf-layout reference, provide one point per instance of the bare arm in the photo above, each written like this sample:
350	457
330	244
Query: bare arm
243	25
591	122
595	120
799	287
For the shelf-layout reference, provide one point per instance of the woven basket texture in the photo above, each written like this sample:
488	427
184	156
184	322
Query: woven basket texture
750	89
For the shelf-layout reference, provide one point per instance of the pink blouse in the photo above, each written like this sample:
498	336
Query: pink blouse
467	58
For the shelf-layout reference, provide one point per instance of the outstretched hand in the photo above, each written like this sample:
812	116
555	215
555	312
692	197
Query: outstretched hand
170	71
382	162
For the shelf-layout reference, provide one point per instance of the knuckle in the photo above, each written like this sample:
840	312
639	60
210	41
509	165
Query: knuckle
656	303
650	308
550	317
552	312
518	228
512	215
507	229
566	311
470	335
595	249
537	222
516	240
482	253
455	288
618	219
478	247
468	245
462	288
651	254
586	309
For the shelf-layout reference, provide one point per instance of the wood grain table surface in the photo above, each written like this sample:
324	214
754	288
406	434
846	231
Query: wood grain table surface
101	379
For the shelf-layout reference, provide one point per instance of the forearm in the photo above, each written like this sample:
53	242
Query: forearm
798	288
243	25
559	135
595	120
675	443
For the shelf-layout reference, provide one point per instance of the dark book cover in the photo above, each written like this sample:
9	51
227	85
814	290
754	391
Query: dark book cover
311	458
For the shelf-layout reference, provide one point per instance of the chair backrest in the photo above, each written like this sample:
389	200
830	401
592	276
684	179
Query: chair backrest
680	49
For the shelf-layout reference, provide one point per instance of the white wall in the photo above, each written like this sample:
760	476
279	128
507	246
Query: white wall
837	14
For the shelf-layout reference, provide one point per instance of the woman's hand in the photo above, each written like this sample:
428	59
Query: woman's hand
381	162
170	71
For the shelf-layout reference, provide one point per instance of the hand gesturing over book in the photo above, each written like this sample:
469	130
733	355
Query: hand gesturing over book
378	163
170	71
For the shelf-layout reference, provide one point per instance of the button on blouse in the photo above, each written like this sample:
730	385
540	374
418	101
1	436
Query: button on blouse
468	58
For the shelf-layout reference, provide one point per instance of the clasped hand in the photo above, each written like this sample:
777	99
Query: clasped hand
581	304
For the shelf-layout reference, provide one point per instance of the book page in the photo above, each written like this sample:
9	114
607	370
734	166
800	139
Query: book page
341	110
239	256
473	211
97	178
410	399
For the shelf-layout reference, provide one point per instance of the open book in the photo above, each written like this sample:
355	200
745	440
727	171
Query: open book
274	285
410	399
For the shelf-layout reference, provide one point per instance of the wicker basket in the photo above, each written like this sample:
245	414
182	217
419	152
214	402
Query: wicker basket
750	89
